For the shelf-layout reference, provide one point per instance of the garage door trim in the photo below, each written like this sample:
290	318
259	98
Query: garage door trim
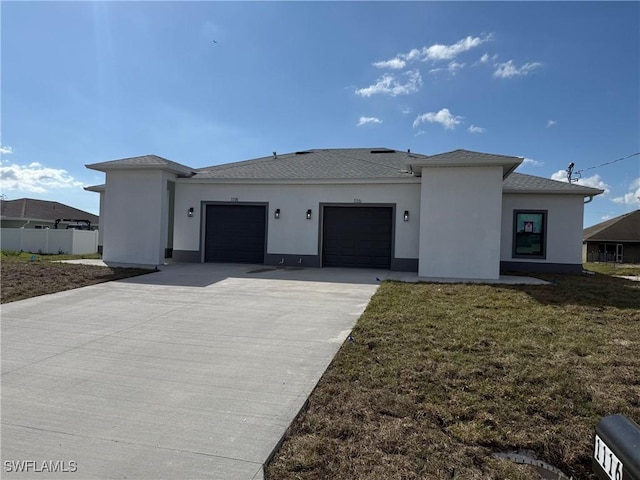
203	221
356	205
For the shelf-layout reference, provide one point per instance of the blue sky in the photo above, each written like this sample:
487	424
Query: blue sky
86	82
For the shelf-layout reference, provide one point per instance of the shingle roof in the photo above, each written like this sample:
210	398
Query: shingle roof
144	161
522	183
32	209
338	163
467	158
625	228
471	156
350	164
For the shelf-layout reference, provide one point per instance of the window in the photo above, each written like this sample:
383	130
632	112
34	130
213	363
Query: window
529	233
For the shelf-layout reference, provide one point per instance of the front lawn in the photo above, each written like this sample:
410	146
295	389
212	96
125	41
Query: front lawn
439	377
623	269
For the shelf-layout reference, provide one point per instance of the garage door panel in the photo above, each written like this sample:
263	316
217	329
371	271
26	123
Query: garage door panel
357	236
235	233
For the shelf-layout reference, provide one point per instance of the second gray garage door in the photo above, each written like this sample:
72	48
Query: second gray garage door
357	237
235	233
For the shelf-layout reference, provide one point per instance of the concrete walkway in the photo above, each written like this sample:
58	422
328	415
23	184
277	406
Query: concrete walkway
192	372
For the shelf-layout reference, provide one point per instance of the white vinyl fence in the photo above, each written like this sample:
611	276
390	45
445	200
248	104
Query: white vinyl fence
49	240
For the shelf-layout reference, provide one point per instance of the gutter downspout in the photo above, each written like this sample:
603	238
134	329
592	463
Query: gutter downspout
590	199
28	222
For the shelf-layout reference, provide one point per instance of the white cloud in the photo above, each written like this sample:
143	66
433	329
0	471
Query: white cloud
605	217
406	110
35	178
443	117
5	149
508	69
474	129
449	52
394	63
452	68
389	85
533	163
419	132
435	52
414	54
366	120
551	123
486	58
632	197
594	181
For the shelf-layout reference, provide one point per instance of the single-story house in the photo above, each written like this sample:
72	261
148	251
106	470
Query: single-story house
614	240
37	214
459	214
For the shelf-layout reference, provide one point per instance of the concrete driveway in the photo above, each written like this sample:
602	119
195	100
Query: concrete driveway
192	372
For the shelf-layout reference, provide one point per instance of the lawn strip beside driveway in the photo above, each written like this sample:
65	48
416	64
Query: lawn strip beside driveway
154	378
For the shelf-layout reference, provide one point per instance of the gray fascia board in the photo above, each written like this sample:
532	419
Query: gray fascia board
541	191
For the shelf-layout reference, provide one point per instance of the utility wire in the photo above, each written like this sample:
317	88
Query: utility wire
571	173
607	163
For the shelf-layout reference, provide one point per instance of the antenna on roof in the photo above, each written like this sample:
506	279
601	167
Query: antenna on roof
570	178
275	155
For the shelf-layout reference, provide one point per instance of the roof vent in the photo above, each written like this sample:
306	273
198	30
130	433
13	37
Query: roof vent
383	150
304	152
275	155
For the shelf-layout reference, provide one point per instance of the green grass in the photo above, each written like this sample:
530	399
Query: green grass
613	268
441	376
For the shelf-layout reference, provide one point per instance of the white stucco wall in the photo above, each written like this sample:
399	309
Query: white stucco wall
293	233
461	213
135	220
100	229
564	226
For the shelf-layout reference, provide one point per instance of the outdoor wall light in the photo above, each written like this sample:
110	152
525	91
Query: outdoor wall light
406	216
276	214
309	214
190	212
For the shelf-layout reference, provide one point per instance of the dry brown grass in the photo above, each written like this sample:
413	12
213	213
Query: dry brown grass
441	376
22	278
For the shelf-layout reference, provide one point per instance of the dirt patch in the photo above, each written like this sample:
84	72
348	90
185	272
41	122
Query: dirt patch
22	279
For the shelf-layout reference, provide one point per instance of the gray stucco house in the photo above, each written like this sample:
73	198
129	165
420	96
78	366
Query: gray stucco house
459	214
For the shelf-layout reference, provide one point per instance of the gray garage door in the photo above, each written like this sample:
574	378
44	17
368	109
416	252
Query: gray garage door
235	233
357	237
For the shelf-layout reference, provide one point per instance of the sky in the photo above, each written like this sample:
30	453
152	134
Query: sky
205	83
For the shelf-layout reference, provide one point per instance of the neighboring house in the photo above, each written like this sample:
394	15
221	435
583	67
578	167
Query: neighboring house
31	213
615	240
459	214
